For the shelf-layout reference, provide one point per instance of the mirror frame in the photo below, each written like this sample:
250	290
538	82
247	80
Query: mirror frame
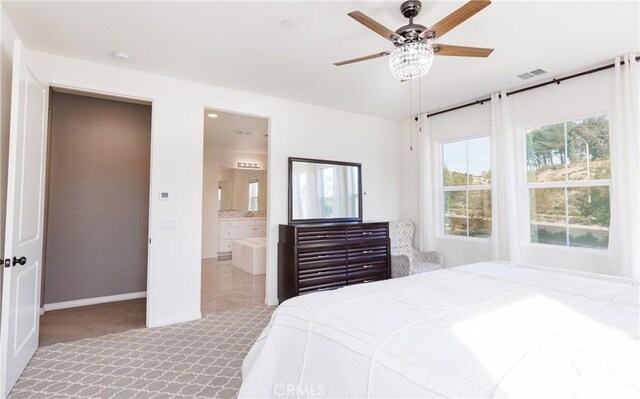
357	219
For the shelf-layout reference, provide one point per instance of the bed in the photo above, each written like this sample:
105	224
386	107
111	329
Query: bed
489	329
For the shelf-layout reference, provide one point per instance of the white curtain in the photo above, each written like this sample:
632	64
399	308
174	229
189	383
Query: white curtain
624	236
505	240
427	221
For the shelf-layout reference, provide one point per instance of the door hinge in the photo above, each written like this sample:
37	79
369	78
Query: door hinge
7	262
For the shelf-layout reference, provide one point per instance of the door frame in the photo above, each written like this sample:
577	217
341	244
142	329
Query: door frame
125	94
268	275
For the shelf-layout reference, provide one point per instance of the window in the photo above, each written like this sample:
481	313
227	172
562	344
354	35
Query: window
253	194
568	176
466	184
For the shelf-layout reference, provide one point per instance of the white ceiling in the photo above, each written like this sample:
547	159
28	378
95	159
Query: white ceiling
242	45
221	132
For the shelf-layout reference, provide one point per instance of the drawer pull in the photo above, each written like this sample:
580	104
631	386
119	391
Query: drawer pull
367	281
367	266
366	233
367	252
323	289
255	228
323	256
322	236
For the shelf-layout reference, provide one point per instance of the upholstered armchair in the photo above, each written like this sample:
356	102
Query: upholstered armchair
406	260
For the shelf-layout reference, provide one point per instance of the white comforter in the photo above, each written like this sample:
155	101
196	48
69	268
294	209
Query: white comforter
484	330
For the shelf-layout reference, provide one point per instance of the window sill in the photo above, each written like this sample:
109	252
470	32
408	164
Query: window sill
479	240
563	248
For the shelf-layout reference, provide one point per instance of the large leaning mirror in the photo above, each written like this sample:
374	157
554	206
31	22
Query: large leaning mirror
324	191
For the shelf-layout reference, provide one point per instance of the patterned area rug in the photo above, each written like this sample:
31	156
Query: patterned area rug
199	359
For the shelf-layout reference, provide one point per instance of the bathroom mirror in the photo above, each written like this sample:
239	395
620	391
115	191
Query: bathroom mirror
242	190
324	191
225	195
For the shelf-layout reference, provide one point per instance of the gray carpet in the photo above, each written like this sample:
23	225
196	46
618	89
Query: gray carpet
199	359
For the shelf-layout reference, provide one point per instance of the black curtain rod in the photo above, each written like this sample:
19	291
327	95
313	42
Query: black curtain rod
556	81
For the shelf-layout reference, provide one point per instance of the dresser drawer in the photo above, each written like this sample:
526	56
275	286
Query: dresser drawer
367	252
228	223
365	269
311	235
322	287
322	276
328	256
367	279
228	233
361	232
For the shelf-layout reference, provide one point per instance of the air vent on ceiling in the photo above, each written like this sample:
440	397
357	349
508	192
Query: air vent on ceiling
530	74
243	132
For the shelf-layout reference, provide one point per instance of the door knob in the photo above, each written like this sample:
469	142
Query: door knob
22	261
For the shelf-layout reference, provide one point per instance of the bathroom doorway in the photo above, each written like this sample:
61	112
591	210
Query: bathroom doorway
234	210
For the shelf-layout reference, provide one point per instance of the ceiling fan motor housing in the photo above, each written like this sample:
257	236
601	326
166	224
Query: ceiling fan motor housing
411	8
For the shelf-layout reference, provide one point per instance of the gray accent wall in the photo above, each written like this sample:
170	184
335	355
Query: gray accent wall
98	198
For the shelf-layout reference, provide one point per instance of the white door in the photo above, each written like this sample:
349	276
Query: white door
24	222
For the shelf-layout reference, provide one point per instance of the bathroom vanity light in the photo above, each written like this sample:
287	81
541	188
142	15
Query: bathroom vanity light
246	165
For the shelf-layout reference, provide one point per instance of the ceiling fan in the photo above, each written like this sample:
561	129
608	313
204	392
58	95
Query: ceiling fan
413	55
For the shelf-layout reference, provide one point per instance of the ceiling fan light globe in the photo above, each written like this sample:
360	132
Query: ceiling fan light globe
411	60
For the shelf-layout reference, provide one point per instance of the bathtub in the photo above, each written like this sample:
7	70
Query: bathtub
250	254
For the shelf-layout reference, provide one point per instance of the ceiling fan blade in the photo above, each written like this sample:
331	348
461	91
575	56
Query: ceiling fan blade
375	26
454	19
461	51
365	58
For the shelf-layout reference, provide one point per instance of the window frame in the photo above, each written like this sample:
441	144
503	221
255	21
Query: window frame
257	196
564	184
441	233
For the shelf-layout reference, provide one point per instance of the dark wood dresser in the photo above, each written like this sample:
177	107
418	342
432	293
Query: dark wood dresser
318	257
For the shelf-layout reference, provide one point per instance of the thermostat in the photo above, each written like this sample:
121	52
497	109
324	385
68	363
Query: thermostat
164	195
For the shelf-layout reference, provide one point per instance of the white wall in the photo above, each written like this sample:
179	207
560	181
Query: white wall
584	96
296	129
210	232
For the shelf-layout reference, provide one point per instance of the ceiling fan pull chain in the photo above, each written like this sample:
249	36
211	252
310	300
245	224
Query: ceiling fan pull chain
410	114
420	104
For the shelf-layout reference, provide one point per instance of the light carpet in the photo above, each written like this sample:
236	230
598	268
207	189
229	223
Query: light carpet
199	359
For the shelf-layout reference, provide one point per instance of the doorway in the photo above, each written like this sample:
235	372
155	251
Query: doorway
234	211
96	216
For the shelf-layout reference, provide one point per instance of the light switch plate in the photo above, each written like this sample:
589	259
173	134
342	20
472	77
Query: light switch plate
165	196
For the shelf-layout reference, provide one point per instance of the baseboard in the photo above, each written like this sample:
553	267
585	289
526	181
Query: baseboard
93	301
